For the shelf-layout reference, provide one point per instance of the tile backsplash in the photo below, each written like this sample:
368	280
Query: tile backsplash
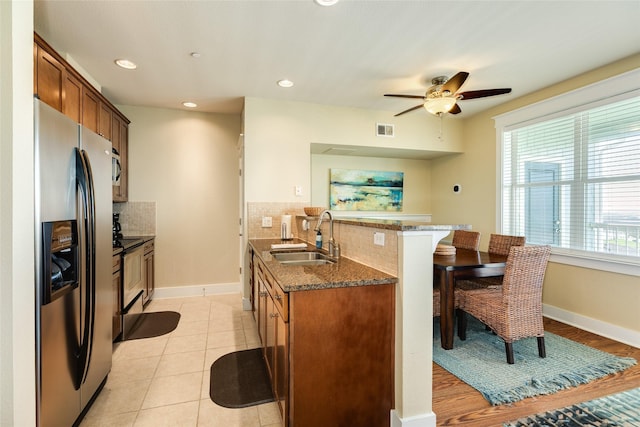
137	218
257	210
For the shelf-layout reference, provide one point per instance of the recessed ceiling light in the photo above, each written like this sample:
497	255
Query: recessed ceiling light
285	83
195	54
125	63
326	2
190	104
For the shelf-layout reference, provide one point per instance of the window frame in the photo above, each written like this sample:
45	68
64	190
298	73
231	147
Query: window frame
614	89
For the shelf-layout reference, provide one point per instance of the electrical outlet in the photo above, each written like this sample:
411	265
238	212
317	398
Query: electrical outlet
267	222
378	239
298	190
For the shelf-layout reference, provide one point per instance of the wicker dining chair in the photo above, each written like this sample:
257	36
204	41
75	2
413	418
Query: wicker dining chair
513	311
463	239
498	244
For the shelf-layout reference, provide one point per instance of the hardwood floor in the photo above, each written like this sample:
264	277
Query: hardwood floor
456	403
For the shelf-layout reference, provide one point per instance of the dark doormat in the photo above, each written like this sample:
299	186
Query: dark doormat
153	324
240	379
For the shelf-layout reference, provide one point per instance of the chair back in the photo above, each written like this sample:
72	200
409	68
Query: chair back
501	243
524	275
463	239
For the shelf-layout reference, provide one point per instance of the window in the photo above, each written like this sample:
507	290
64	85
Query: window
570	178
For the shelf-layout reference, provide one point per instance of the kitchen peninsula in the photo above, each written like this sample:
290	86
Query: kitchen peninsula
327	335
336	336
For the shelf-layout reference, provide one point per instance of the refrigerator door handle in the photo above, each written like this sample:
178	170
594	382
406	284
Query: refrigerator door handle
85	182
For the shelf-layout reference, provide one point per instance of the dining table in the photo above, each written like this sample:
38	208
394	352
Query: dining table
463	264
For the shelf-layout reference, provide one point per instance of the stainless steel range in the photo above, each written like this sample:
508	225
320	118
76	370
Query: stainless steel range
133	280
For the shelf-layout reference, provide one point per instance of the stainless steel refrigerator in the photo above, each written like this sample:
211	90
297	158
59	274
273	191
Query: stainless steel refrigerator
73	266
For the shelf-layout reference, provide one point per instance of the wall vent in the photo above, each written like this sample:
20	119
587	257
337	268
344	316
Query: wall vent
383	129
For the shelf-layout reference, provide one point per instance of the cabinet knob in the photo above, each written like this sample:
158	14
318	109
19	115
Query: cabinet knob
278	296
262	293
273	315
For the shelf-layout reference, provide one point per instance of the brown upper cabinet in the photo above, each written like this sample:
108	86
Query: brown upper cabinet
59	85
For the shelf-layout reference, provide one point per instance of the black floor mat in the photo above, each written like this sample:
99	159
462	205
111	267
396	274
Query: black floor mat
153	324
240	379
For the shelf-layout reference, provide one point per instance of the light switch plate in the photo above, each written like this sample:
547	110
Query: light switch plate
267	221
378	239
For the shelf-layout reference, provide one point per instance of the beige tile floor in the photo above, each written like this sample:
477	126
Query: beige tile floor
164	381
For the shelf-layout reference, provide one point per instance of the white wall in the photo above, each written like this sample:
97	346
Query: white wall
278	136
417	178
187	162
17	287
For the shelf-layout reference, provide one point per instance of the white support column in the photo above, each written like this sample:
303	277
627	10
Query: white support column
414	326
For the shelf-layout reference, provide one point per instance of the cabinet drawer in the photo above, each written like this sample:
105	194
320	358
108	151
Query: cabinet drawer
280	298
149	246
117	260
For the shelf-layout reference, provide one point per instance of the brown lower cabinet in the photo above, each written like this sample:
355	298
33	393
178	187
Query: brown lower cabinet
117	318
329	352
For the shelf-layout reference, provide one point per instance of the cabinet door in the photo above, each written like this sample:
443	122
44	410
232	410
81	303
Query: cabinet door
281	385
270	344
254	286
119	140
72	98
104	121
50	78
90	110
117	320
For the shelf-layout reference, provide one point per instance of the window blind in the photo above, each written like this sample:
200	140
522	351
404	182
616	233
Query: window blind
573	181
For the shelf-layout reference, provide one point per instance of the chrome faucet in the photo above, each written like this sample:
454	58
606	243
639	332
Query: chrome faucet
334	250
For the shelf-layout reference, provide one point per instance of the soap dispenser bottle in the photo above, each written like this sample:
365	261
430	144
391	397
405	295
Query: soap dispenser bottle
319	240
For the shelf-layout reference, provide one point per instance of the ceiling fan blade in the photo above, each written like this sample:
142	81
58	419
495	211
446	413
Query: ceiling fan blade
455	82
455	110
409	110
483	93
405	96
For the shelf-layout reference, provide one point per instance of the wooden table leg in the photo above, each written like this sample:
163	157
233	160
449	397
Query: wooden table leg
447	311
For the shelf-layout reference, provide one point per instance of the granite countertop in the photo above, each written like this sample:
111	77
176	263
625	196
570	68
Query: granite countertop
400	224
344	273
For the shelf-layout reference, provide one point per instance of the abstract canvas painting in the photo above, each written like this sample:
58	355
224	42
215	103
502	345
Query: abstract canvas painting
360	190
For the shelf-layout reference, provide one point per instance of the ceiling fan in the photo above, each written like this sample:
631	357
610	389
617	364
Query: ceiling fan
443	96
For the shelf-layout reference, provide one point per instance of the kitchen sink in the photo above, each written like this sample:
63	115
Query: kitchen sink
302	258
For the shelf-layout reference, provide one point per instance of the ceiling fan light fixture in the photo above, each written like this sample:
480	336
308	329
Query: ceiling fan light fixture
438	106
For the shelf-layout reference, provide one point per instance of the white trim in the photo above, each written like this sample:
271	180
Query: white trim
586	261
608	330
625	83
197	290
422	420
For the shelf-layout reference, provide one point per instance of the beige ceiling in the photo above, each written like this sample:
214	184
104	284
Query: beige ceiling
347	55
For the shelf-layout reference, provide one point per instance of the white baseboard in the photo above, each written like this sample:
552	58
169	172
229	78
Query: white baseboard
197	290
422	420
608	330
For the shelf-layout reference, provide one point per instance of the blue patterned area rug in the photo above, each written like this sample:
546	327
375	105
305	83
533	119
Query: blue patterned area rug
622	409
480	361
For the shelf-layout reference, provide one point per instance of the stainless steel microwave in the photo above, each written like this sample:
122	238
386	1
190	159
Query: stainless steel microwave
116	170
